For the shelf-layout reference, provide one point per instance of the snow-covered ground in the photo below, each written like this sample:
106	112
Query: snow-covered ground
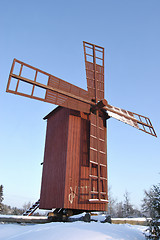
72	230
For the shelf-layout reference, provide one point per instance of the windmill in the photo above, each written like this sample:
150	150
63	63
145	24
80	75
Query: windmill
75	159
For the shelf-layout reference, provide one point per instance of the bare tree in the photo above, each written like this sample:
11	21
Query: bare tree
111	203
127	206
26	206
1	197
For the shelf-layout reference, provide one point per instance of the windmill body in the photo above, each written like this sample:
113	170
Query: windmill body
75	158
66	170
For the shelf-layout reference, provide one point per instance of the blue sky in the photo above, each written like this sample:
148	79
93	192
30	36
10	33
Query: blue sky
49	35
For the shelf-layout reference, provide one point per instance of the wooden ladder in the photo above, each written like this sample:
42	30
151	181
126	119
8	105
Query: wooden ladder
32	209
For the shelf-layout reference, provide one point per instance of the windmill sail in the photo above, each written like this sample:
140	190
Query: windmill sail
94	62
31	82
98	158
135	120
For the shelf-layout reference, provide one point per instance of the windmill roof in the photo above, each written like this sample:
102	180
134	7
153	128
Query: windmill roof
52	112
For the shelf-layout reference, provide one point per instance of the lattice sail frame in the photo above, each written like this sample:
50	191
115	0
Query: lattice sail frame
135	120
98	158
28	81
94	63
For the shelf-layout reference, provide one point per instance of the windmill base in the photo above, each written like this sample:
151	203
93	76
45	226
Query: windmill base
62	215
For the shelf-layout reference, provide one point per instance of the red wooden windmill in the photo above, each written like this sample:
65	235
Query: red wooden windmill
75	158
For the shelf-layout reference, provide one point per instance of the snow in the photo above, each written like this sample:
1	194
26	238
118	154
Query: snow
72	230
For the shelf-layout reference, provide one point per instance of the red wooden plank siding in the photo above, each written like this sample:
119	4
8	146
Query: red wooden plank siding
54	167
65	179
73	159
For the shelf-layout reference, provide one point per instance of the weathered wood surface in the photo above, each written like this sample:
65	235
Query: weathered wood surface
44	219
22	219
132	221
